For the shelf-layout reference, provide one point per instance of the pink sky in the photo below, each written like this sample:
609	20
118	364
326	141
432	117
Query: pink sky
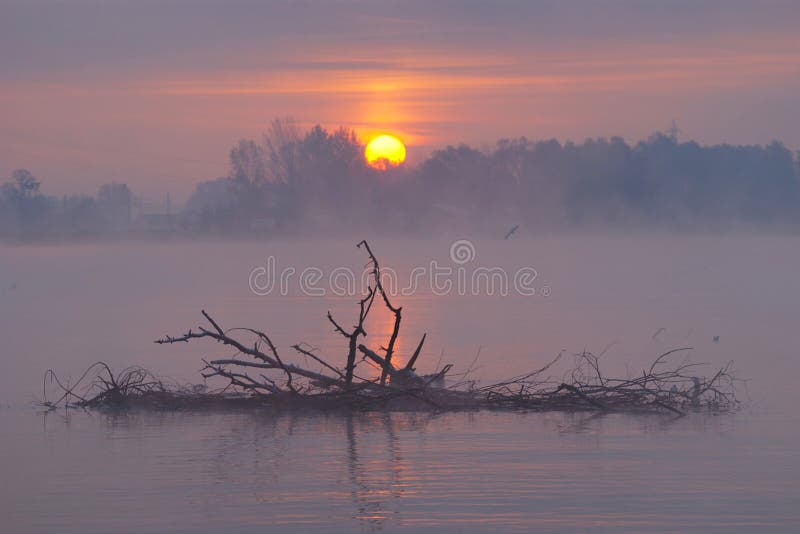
155	94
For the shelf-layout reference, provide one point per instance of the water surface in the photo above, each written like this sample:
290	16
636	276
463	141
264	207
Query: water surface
633	297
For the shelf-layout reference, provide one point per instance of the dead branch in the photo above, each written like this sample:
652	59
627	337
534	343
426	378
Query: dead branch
397	311
256	371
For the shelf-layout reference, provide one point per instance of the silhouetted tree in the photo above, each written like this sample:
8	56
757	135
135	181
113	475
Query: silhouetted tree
319	180
25	205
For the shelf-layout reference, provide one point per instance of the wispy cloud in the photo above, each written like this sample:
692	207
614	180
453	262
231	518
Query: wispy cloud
171	73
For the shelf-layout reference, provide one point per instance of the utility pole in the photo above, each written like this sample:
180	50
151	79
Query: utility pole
673	132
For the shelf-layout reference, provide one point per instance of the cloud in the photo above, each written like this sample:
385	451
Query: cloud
170	73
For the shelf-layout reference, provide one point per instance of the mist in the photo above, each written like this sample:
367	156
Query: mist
316	182
357	266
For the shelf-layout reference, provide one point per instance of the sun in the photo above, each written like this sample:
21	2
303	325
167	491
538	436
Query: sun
385	151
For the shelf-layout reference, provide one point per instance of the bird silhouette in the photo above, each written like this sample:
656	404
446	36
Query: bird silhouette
511	232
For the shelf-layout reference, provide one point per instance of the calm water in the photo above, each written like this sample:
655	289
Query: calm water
66	307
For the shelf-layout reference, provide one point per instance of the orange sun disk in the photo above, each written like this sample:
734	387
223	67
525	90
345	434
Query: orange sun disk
385	151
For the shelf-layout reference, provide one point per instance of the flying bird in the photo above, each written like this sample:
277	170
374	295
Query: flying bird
511	232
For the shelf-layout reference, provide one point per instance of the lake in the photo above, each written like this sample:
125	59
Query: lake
630	298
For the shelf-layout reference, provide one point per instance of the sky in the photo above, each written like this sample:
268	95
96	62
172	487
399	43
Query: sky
154	94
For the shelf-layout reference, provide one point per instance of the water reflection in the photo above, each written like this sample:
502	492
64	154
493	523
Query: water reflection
580	423
337	472
275	460
371	486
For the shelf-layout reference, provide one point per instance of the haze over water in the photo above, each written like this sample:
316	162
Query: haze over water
541	178
633	297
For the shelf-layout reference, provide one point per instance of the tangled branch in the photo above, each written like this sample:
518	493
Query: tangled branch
256	372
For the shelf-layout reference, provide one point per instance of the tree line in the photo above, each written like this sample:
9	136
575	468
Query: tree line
27	213
317	181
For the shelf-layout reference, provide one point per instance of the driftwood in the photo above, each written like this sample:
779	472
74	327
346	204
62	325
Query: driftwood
256	374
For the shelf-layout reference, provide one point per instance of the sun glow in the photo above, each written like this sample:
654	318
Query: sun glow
385	151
